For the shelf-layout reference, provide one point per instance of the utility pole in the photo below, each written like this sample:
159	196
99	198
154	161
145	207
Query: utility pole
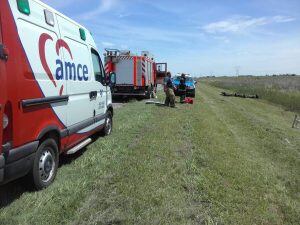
237	71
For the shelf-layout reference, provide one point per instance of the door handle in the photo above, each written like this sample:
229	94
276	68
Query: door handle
93	95
3	52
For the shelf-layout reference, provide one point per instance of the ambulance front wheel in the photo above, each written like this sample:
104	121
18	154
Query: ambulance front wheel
108	124
45	164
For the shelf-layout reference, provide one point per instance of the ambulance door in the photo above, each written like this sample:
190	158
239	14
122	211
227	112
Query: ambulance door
2	83
99	75
77	70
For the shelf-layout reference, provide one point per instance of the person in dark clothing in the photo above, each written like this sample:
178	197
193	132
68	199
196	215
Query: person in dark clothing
169	90
183	77
182	90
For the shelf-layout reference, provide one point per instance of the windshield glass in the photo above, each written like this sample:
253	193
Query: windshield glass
187	79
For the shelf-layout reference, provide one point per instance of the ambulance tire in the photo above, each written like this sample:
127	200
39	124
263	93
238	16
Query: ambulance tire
108	124
45	164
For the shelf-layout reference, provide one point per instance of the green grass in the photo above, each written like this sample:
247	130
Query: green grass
219	161
281	90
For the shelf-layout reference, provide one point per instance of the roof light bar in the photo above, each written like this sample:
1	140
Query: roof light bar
82	34
23	6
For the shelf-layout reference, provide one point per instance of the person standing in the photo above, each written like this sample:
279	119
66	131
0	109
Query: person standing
183	76
182	89
169	90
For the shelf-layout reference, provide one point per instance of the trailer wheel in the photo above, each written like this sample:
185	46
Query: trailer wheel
45	164
108	124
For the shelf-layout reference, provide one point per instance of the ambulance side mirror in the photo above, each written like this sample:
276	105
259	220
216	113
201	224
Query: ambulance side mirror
112	78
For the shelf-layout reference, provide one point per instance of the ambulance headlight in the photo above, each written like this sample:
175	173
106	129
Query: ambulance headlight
5	121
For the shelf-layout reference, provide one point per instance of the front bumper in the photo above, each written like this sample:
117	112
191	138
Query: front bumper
17	162
129	91
190	91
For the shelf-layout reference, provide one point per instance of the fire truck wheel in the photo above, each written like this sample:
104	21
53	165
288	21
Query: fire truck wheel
45	164
108	124
148	93
153	95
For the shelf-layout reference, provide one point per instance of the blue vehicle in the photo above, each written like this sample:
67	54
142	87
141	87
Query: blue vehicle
190	86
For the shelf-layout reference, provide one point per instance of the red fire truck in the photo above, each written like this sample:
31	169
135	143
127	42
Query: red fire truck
134	75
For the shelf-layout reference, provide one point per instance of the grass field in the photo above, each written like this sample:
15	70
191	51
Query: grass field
281	90
219	161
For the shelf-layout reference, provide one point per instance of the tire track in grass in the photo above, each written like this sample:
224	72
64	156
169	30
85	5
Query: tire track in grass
147	187
238	161
213	167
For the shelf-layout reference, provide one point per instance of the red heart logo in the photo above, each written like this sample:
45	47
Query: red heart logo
59	44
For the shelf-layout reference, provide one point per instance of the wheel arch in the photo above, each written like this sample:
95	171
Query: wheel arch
50	132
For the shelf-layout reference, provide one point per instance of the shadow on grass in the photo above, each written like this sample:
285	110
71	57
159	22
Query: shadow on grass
128	99
13	190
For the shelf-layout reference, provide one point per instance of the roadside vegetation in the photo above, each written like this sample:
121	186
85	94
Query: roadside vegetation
281	90
219	161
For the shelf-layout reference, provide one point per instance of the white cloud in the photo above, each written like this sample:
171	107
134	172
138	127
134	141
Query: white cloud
104	6
60	4
283	19
242	23
222	38
124	47
121	16
141	33
107	44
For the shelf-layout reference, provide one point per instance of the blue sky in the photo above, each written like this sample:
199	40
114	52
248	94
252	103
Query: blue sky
200	37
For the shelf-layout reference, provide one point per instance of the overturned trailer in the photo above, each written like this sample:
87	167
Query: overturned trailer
134	75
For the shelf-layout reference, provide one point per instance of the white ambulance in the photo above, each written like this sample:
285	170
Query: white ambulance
53	90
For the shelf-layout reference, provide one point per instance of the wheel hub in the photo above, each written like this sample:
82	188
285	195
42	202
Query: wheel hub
108	125
46	166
